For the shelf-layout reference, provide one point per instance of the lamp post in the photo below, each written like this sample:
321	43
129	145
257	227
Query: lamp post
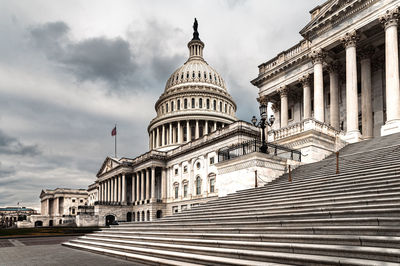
262	124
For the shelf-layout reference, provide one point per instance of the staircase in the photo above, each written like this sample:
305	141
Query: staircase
320	218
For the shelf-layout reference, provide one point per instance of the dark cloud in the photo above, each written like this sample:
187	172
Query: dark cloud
6	172
12	146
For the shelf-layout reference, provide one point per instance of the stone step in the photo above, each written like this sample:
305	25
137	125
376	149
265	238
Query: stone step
259	251
216	239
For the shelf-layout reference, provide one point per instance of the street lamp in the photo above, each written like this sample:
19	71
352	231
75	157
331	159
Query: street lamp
262	124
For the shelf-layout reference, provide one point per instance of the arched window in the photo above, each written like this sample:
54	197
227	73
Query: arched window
200	103
208	103
185	189
215	105
220	106
198	185
172	106
192	102
212	185
166	108
226	108
185	103
178	105
176	189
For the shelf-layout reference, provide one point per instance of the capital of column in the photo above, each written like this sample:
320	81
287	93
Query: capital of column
317	56
350	39
305	80
334	67
264	99
390	18
283	91
366	53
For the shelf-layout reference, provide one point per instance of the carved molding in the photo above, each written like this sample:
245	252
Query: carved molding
264	99
390	18
317	56
283	91
350	39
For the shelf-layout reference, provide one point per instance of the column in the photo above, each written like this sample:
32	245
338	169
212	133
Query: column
163	184
366	93
148	180
179	133
206	126
188	132
150	146
133	193
153	184
123	192
317	57
138	187
158	137
283	91
334	111
163	136
390	23
119	193
305	81
197	130
215	125
349	41
154	139
115	189
57	206
112	189
105	191
142	185
170	133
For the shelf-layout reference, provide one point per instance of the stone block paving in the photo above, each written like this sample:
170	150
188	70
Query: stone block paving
38	251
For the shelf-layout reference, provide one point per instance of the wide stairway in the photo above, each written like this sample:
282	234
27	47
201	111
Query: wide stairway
319	218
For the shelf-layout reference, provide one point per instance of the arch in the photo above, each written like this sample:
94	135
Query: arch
159	214
129	217
148	216
38	223
110	219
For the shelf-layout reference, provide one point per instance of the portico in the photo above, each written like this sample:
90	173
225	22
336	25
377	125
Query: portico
335	77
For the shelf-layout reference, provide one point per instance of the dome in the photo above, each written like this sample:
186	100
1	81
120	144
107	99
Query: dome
195	102
195	71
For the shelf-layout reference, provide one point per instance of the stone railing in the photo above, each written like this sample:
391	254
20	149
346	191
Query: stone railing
304	125
285	56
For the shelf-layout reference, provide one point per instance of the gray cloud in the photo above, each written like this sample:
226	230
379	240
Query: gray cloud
12	146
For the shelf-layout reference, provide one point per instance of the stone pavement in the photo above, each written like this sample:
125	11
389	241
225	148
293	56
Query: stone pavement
45	251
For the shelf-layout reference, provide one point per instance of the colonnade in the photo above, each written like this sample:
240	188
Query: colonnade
349	41
143	188
181	132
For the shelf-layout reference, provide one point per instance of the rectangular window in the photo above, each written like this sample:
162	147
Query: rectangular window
73	211
185	103
184	207
193	105
185	189
211	160
178	105
176	171
212	185
215	105
172	106
200	103
166	108
176	192
208	103
185	169
220	106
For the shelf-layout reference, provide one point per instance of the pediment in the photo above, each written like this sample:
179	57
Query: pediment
331	12
108	164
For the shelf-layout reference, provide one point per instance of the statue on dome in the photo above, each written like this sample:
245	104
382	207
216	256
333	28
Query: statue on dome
195	33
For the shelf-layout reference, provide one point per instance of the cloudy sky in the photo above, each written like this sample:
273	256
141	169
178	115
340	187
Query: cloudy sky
70	70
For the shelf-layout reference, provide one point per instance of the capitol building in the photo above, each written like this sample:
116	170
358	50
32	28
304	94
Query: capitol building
338	85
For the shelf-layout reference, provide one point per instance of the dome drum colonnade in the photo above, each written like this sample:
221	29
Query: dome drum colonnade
195	103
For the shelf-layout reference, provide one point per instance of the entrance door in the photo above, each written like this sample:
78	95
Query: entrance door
110	219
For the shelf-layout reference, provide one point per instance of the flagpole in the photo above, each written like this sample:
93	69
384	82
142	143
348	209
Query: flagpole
115	145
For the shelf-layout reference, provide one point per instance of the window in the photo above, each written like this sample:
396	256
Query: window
185	103
178	105
212	185
220	106
174	209
211	160
290	113
193	74
192	102
226	108
81	200
184	207
73	200
185	133
198	165
208	104
172	106
176	191
185	169
185	189
215	105
198	185
73	211
199	75
176	171
163	109
166	108
200	103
